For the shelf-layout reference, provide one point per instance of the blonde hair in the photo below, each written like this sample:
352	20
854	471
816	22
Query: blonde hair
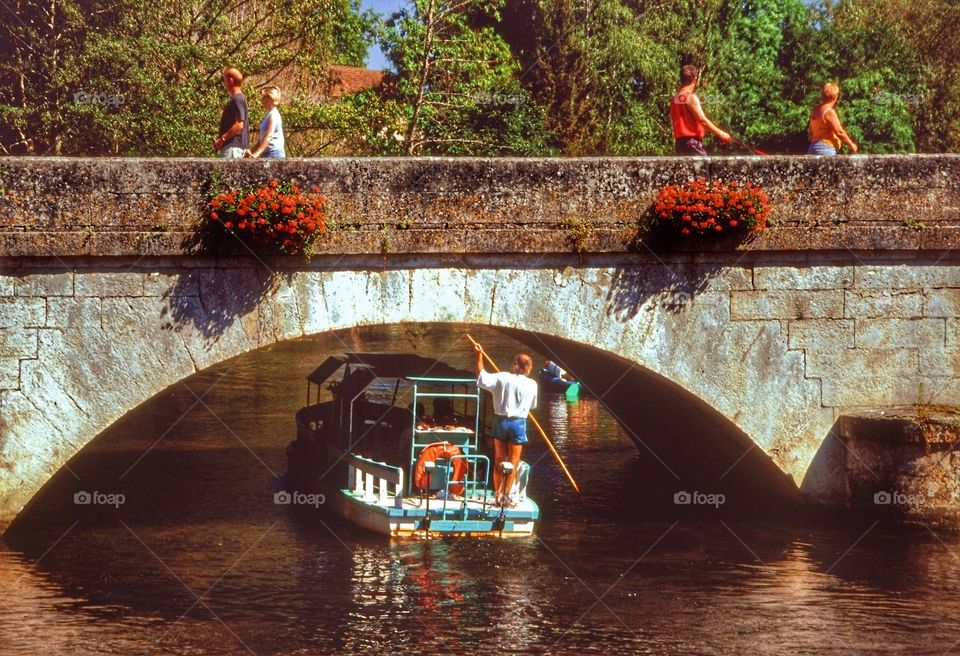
271	92
830	92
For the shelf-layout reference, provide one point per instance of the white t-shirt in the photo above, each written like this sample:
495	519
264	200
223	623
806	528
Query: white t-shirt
513	395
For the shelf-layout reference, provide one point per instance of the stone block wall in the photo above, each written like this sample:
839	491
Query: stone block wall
136	207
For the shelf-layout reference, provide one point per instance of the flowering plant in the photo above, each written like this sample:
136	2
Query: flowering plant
703	207
277	214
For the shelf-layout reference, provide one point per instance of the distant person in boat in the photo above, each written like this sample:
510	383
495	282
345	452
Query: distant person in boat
270	142
825	130
556	372
690	123
514	395
234	125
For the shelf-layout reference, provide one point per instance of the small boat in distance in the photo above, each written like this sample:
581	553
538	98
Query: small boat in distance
384	464
553	378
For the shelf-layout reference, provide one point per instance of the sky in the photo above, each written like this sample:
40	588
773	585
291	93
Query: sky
375	58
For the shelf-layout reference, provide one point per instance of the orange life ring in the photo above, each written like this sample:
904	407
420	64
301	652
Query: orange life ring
430	454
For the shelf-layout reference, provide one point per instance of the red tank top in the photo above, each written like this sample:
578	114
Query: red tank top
685	122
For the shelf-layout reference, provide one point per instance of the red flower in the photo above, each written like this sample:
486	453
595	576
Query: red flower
703	206
302	214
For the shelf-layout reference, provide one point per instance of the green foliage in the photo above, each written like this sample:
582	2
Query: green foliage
457	81
482	77
143	76
363	123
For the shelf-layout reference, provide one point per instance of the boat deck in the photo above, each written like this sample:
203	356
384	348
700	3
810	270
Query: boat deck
408	517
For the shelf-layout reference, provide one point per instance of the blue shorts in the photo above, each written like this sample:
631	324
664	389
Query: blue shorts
512	430
821	148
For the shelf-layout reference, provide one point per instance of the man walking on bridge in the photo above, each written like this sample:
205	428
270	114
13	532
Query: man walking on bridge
689	122
234	126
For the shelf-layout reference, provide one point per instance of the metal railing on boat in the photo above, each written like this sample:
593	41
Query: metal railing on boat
372	480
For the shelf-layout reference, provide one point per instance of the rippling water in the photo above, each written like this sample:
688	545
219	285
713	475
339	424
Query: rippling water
199	560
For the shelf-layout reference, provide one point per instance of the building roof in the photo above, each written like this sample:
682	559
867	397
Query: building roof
344	80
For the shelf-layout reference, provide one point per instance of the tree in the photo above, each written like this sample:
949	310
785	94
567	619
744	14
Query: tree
143	76
920	34
457	81
878	72
39	41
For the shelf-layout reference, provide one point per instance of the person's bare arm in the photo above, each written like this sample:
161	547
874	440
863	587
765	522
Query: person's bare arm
233	131
834	120
263	139
694	101
479	364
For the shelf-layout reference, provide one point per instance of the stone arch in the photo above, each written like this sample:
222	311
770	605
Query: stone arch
100	356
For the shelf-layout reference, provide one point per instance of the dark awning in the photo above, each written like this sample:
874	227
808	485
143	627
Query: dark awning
325	370
383	365
407	365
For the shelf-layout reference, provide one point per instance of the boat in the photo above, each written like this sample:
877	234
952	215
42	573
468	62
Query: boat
554	379
382	463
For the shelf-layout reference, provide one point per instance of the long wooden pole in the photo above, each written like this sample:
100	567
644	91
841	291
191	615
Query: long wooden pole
536	423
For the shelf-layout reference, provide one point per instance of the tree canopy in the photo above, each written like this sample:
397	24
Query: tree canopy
487	77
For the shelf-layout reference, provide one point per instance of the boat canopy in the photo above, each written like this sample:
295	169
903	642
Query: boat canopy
325	370
387	365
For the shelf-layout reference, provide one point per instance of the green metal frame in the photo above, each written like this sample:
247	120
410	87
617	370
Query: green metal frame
470	447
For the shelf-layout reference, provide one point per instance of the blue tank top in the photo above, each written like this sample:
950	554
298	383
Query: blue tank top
275	144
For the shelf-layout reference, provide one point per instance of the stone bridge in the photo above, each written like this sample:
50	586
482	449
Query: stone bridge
850	300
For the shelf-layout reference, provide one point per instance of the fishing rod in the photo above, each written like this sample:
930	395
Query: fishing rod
536	423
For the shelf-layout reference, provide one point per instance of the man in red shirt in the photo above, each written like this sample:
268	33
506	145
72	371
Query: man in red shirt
689	122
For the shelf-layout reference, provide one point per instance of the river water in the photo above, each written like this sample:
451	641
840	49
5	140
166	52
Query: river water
197	559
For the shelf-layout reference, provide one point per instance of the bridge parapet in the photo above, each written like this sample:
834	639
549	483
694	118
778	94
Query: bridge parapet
138	207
